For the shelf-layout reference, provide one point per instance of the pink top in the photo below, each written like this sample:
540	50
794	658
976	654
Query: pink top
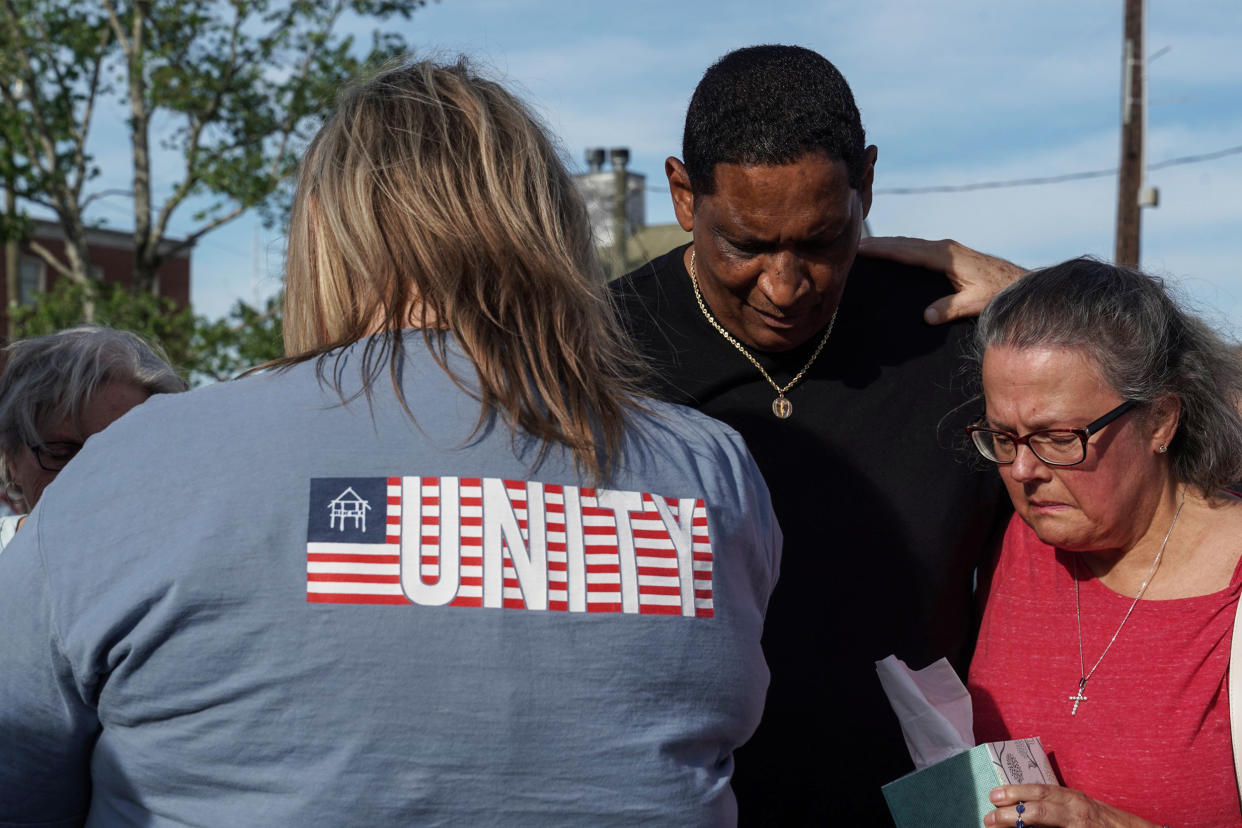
1152	736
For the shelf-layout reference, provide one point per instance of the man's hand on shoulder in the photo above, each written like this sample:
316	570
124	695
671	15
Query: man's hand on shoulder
977	276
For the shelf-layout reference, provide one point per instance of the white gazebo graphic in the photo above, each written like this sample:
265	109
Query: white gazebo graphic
348	505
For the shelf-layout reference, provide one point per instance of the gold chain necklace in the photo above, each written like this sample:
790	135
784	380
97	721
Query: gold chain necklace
781	406
1078	697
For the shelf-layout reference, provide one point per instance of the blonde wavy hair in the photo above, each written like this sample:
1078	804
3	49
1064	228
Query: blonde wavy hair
432	198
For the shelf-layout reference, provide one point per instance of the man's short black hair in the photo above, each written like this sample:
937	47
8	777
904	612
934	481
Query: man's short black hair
770	105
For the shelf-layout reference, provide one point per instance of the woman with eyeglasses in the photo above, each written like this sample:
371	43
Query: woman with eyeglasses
1112	416
59	389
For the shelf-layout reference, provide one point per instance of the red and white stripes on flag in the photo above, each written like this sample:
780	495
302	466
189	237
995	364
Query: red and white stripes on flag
513	544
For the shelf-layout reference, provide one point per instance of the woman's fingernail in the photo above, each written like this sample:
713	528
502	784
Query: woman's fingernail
997	794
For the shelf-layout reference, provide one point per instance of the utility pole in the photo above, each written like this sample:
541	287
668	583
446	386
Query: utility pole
1133	126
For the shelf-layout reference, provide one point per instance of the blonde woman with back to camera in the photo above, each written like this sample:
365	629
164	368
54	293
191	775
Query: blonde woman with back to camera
440	566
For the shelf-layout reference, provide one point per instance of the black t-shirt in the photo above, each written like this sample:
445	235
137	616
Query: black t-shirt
884	512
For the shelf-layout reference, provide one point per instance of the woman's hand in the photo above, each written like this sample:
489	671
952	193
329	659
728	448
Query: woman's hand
1053	806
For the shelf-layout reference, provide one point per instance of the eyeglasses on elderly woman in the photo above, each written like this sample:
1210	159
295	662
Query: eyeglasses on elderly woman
55	455
1054	446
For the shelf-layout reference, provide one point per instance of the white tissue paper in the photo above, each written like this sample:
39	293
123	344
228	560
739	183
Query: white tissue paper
933	707
950	788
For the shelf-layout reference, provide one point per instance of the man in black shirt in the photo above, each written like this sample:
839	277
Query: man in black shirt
850	404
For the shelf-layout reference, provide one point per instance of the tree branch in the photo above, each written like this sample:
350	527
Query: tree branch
42	202
93	197
52	65
30	144
117	29
50	258
42	137
79	147
285	133
287	127
171	204
190	240
230	68
197	124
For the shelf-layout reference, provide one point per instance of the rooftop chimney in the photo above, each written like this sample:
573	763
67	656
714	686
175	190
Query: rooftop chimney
620	156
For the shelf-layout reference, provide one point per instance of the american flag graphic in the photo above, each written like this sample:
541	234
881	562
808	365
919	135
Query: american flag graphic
512	544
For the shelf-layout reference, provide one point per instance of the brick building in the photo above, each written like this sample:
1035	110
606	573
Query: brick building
111	260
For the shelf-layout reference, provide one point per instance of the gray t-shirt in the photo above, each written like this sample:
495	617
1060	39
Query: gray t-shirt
254	605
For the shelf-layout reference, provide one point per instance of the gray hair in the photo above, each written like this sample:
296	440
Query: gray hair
47	378
1146	347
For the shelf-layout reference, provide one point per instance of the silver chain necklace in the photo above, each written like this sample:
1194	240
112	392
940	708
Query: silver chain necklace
1078	697
781	406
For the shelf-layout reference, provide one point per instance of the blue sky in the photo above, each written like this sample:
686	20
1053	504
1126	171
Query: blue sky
952	93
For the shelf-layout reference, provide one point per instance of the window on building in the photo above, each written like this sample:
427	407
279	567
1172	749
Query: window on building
30	280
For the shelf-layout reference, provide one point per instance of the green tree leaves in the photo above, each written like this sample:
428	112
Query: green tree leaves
201	350
231	88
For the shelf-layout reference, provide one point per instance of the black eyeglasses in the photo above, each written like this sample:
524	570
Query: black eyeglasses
53	456
1054	446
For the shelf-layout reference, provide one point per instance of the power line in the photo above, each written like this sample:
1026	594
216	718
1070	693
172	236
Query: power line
1195	159
995	185
1054	179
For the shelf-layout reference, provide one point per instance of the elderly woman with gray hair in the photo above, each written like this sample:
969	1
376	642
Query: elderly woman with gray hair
59	389
1113	418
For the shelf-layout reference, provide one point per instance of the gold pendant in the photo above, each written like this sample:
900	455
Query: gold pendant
782	407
